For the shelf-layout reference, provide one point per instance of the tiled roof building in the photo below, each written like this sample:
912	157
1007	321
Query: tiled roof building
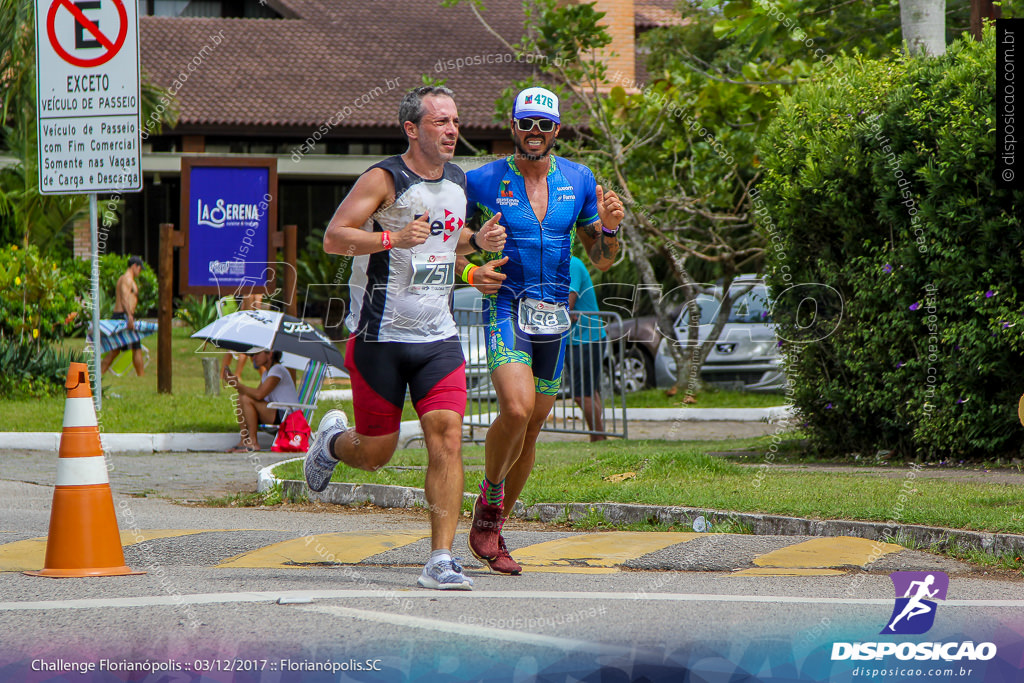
258	79
287	75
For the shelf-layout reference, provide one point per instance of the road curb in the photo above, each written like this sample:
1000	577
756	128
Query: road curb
127	442
265	478
340	493
916	536
185	442
922	537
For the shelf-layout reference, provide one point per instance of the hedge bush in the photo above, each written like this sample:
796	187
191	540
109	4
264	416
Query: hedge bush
39	300
113	266
879	182
197	311
32	369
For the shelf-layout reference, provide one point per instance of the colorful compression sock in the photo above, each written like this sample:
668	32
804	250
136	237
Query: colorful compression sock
493	493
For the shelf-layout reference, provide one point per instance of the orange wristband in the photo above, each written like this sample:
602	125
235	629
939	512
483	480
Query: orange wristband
467	274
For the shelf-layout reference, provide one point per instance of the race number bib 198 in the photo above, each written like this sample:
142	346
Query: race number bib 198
541	317
432	273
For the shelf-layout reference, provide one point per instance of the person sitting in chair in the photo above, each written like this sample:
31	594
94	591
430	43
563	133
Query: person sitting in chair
250	302
275	385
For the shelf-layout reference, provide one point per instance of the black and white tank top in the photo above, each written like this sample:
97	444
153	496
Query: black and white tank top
403	295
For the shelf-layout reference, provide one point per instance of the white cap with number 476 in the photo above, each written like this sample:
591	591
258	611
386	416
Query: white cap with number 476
536	102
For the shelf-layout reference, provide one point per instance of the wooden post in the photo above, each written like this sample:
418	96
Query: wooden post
291	251
169	239
211	376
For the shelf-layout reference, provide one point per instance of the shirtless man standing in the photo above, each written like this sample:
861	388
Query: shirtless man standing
126	298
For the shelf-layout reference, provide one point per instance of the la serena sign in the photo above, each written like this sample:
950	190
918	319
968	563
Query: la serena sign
87	96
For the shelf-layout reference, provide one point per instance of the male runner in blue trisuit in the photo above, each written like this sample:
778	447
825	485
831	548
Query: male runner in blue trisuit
543	200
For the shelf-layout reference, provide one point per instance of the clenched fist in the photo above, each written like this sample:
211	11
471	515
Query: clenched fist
413	234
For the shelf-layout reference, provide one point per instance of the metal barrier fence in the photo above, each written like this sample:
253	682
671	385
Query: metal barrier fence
594	391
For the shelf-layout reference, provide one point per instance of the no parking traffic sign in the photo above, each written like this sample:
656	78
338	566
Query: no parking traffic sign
87	96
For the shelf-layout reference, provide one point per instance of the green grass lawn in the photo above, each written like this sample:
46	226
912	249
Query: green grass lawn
132	404
674	473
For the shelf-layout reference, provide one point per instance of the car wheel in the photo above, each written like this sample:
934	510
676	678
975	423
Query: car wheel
633	372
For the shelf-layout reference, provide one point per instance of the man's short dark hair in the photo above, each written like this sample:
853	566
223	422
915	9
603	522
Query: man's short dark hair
411	108
135	261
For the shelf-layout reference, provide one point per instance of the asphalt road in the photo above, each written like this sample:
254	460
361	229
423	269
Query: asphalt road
200	609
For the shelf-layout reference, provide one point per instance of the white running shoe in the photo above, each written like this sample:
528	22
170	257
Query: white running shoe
320	464
445	575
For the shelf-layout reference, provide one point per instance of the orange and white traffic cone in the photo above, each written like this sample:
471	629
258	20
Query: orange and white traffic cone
84	539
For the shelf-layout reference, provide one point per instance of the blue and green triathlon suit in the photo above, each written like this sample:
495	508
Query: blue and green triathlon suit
536	287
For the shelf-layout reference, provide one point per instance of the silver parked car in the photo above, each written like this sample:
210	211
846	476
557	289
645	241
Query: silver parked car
745	357
468	306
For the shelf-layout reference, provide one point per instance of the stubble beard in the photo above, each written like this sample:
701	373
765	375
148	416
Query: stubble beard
529	155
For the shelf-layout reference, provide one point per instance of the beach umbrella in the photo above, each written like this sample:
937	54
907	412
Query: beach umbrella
247	330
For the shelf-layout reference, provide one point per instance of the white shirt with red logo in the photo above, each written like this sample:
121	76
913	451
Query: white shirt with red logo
403	295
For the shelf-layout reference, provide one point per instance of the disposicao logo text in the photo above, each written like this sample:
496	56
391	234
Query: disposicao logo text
914	614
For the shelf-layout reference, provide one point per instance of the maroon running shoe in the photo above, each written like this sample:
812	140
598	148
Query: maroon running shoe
503	562
486	530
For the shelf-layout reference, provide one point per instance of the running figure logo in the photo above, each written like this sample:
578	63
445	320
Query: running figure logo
914	612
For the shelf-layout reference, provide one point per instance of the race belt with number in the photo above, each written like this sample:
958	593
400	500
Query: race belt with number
432	273
542	317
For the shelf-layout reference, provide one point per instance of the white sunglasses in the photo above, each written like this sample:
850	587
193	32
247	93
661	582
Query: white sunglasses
543	125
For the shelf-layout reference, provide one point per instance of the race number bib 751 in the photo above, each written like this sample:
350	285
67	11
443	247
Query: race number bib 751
541	317
432	273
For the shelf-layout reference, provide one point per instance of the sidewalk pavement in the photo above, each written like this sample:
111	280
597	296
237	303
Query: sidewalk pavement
668	423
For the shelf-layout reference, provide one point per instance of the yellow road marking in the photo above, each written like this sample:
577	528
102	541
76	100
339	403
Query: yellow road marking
30	554
21	556
597	553
793	571
598	550
839	551
348	547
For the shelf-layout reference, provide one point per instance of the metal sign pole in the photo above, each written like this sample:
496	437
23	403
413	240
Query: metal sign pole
94	256
87	104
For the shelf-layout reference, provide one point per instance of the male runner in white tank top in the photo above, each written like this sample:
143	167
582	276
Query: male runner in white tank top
403	222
